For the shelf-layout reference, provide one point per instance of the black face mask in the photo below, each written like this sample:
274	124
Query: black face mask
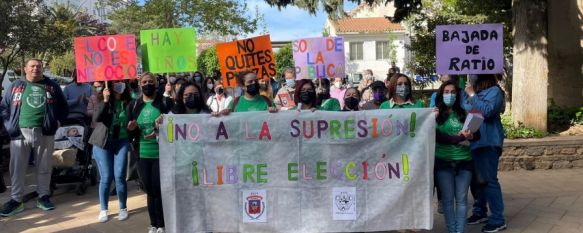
192	102
323	93
306	97
253	89
149	90
221	91
351	103
134	85
323	96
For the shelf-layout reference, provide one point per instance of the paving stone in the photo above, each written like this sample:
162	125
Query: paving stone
535	201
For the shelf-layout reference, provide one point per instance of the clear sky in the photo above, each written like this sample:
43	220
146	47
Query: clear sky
291	22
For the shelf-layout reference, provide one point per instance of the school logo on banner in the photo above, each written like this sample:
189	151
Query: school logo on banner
344	203
254	207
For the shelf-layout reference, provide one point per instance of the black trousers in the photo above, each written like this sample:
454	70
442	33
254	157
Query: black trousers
150	173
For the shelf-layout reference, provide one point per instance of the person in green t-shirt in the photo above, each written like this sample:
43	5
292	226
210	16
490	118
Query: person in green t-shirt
324	101
400	95
453	165
33	108
144	115
251	100
112	158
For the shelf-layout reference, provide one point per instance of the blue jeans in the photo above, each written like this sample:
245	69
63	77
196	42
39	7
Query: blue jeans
112	162
486	186
453	179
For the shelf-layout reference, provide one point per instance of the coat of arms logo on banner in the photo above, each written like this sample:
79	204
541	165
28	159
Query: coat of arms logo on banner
254	207
344	203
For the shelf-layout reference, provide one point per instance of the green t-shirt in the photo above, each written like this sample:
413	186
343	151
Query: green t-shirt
387	105
33	108
146	122
120	119
452	126
250	105
330	104
134	95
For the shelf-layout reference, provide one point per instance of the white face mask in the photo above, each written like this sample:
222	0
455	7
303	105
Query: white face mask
119	87
337	85
209	86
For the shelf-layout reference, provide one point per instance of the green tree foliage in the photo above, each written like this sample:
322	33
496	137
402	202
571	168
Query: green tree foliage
32	29
208	61
21	30
223	17
284	58
453	12
335	8
65	23
64	64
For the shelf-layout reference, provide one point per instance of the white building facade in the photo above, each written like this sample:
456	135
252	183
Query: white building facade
368	37
98	8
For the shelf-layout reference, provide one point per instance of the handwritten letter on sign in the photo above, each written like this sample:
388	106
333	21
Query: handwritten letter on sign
101	58
169	50
253	54
317	58
470	49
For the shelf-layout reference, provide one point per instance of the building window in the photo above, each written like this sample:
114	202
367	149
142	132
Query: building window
355	51
383	50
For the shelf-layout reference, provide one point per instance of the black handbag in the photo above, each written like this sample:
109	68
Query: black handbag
99	135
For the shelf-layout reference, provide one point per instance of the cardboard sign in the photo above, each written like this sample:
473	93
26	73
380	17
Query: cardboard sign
317	58
105	58
253	54
299	171
470	49
169	50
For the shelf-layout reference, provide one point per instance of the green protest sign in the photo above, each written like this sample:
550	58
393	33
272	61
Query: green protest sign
168	50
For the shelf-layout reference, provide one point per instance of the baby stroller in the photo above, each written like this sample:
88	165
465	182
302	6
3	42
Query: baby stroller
72	163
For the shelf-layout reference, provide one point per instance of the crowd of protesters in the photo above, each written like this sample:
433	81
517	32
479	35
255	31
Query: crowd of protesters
132	110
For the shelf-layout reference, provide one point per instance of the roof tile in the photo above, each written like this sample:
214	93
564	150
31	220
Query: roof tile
375	24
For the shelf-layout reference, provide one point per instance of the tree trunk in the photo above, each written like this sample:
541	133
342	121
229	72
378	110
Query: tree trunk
530	71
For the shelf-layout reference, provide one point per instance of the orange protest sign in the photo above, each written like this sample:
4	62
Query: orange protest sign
252	54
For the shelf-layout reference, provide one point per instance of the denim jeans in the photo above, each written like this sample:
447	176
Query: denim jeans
453	179
486	186
112	163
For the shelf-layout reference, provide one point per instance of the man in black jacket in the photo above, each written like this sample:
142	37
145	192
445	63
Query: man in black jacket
32	110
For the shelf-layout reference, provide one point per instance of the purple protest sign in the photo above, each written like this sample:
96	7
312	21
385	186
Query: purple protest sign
469	49
317	58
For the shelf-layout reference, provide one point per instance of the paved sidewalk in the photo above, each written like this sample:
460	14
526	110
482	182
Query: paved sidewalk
536	201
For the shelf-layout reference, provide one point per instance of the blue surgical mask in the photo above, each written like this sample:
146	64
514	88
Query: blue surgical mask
290	83
119	87
449	99
403	91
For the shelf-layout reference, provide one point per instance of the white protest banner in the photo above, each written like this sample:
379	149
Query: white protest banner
298	171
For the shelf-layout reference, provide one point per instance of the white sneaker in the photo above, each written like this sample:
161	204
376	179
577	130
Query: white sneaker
152	230
122	215
102	216
161	230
